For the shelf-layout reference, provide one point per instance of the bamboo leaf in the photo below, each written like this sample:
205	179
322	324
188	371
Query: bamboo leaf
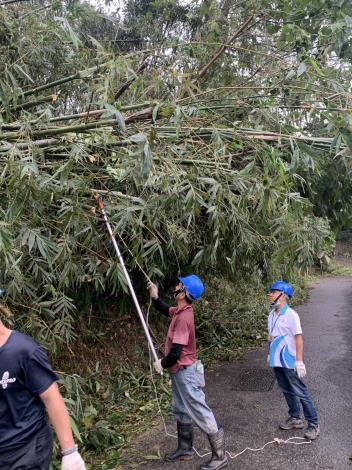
138	138
120	120
23	72
73	36
301	69
75	430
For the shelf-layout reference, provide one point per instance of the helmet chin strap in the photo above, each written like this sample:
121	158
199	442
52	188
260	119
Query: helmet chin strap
276	302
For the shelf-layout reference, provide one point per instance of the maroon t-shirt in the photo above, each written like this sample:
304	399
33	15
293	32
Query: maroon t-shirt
182	331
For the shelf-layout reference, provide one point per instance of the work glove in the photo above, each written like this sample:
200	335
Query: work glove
300	369
72	462
153	290
158	367
268	359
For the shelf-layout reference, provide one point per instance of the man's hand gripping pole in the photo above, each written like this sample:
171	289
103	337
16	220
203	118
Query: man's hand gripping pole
127	276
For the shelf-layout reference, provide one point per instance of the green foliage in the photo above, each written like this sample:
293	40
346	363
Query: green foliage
106	409
200	185
54	246
333	189
241	174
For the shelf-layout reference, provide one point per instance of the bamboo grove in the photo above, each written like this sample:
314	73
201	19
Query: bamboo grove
217	143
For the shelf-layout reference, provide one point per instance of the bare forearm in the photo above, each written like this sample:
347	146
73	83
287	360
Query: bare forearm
58	416
299	347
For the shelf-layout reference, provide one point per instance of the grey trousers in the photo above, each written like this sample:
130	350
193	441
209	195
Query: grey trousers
35	455
188	398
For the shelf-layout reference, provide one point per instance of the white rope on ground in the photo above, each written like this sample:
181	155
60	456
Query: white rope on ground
276	440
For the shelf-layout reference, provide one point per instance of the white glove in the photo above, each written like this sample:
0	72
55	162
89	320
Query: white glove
153	290
300	369
72	462
268	359
158	367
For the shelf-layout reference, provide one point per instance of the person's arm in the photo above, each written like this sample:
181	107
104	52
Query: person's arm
300	368
161	306
59	418
173	356
299	347
58	415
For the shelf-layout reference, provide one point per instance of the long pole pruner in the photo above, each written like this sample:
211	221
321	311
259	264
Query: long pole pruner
127	276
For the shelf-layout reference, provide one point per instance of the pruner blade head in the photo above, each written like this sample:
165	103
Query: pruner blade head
98	200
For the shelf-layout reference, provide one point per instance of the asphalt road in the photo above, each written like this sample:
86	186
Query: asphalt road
250	418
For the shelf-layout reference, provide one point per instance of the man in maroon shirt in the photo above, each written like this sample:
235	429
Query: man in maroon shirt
187	374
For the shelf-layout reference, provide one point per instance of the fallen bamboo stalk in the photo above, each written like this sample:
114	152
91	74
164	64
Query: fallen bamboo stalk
162	132
222	49
94	113
126	85
275	106
143	115
250	87
118	194
7	2
33	103
61	130
82	74
38	143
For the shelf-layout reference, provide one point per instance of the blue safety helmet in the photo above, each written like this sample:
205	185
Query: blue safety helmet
194	286
284	287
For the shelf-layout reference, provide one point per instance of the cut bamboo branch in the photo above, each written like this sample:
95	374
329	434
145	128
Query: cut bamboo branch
89	107
38	143
76	128
222	49
276	106
34	103
250	87
82	74
51	84
119	194
7	2
61	130
68	117
96	112
143	115
126	86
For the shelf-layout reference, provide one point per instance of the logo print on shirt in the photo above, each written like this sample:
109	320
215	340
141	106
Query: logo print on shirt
6	380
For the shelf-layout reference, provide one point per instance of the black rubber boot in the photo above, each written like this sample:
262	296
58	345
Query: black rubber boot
184	449
218	459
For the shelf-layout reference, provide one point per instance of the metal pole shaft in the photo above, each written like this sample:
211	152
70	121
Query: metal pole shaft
128	279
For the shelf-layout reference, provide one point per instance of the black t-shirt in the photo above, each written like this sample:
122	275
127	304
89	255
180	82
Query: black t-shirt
25	372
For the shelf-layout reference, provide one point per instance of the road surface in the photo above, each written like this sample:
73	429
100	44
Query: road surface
250	418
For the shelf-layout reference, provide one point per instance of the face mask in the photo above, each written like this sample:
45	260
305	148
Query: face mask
276	302
178	291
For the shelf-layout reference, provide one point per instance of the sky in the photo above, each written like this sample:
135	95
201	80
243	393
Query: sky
113	6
